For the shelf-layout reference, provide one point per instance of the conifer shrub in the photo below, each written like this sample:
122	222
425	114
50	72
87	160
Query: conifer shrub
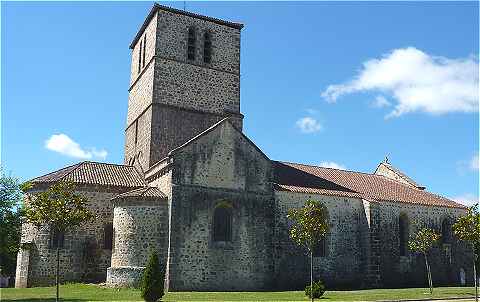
152	280
318	290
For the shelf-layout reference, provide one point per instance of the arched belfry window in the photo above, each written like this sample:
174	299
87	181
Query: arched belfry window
403	234
446	231
191	41
207	48
222	223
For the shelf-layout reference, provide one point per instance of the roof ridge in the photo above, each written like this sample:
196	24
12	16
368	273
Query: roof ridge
73	166
102	163
344	170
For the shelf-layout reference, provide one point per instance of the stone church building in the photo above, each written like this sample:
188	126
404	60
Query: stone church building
198	191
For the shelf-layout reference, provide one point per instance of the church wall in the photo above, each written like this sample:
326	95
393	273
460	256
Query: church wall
344	265
196	87
172	41
83	257
150	33
172	127
226	159
138	154
409	270
221	168
382	170
198	263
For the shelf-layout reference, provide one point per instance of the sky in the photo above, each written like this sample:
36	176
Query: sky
336	84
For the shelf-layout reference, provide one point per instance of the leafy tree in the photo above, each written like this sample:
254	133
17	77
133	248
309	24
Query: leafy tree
60	208
422	242
310	225
10	222
152	280
467	229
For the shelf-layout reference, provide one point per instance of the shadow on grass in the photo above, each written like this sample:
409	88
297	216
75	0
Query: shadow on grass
43	300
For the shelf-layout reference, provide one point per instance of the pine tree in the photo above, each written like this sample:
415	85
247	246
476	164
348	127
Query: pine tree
152	280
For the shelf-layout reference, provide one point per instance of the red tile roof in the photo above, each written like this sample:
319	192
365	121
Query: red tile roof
319	180
94	173
145	192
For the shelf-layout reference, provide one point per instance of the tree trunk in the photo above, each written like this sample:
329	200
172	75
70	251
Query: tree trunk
311	274
429	274
57	273
475	276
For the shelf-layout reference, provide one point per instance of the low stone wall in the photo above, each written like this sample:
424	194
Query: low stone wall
126	276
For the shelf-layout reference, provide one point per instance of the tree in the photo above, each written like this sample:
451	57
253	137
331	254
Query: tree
10	222
422	242
310	225
152	280
60	208
467	229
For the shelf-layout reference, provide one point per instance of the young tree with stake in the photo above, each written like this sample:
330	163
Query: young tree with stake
422	242
467	229
60	208
310	225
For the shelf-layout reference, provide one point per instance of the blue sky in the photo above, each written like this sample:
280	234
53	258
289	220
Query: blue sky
322	83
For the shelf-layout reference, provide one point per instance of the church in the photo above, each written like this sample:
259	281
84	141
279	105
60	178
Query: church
195	189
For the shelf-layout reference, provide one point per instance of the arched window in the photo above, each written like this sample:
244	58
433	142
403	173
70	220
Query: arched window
57	239
191	44
207	48
222	224
320	249
403	234
446	231
108	236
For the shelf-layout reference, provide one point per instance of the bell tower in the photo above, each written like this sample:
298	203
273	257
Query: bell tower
185	76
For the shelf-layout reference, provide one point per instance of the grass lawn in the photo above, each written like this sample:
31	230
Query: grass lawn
84	292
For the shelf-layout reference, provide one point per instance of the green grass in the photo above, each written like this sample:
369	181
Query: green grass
85	292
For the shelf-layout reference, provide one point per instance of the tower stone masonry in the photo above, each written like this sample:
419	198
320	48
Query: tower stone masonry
172	97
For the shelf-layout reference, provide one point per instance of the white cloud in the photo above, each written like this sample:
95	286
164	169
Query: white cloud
308	125
416	81
474	163
380	102
331	164
63	144
466	199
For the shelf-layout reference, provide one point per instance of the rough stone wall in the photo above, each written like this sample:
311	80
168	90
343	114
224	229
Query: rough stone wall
150	36
221	166
172	38
219	160
409	270
83	257
194	94
385	171
344	265
138	154
139	228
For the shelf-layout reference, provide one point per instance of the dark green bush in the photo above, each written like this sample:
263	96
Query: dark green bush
318	290
152	280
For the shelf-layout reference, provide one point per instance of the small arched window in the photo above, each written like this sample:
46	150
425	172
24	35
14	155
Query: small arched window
320	249
222	224
207	48
57	239
403	234
108	236
191	41
446	231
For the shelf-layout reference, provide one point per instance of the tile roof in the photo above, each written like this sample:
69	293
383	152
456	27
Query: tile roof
144	192
319	180
94	173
